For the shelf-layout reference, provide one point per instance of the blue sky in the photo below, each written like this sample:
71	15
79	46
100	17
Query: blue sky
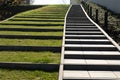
51	2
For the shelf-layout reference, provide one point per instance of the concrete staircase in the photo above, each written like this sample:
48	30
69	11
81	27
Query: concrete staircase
88	53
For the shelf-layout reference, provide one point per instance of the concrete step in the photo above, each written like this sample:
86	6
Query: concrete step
83	33
85	37
92	56
83	29
87	42
75	41
75	75
92	67
91	62
89	75
78	24
76	17
87	54
72	18
89	45
102	40
90	48
81	26
100	53
78	21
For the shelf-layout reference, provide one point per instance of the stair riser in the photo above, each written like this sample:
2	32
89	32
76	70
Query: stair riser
87	42
70	37
91	48
92	67
83	33
95	57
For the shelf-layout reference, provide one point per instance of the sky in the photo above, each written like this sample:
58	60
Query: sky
37	2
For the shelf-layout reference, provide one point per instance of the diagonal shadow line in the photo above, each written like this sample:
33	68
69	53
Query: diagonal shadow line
89	42
85	37
32	24
30	48
30	37
92	67
30	30
91	48
30	66
97	57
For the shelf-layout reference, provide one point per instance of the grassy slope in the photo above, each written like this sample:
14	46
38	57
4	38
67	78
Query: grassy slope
31	33
6	74
35	57
31	27
29	42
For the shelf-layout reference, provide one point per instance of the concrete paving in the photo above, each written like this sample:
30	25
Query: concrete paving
87	54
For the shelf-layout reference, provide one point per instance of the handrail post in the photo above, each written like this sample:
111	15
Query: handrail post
90	12
97	16
106	21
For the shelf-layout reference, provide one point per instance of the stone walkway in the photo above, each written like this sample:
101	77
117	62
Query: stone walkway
88	53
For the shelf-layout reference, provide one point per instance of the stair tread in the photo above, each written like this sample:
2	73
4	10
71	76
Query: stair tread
92	40
84	45
91	62
92	52
83	32
85	35
89	75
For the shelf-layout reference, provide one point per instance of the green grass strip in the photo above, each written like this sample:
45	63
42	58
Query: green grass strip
31	27
31	33
37	20
6	74
60	9
31	22
33	57
29	42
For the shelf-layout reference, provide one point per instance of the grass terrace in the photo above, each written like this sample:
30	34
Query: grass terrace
45	21
31	27
31	33
32	57
36	20
6	74
30	42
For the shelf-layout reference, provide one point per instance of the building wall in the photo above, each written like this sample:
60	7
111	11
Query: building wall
113	5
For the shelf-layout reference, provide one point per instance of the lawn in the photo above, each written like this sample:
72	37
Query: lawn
33	57
54	9
6	74
31	27
31	33
30	42
33	23
42	19
37	20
